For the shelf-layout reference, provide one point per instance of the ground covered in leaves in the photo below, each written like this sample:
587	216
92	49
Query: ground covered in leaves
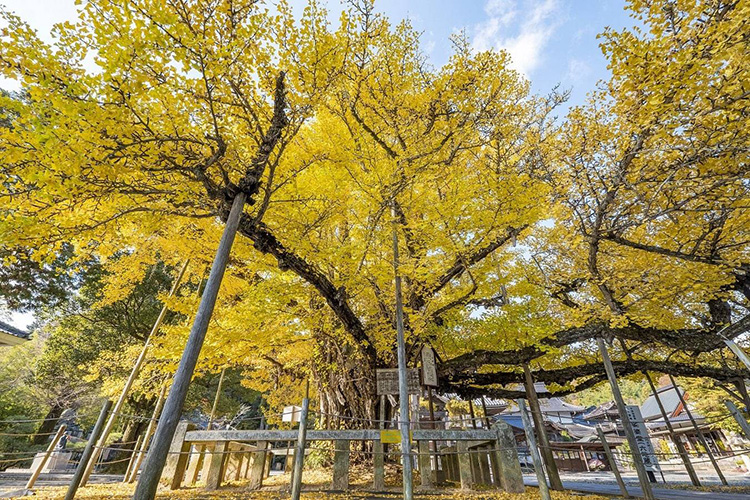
315	482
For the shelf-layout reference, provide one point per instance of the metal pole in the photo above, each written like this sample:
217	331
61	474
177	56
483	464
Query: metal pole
87	451
637	459
675	438
533	450
47	453
403	392
541	432
129	383
147	436
701	437
612	463
739	418
157	454
301	437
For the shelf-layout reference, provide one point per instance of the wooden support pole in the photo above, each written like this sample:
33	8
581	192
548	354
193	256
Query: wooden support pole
403	392
544	445
131	379
739	418
157	455
47	453
216	401
147	436
299	457
612	463
533	450
675	438
133	458
87	451
640	469
701	437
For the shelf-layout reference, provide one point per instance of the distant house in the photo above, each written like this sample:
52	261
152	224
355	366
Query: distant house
680	421
10	335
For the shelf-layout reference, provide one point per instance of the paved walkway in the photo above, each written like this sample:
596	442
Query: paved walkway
607	488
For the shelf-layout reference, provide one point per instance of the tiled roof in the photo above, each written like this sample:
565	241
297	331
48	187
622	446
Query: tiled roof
12	330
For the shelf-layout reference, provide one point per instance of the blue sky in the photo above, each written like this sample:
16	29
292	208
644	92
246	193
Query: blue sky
551	41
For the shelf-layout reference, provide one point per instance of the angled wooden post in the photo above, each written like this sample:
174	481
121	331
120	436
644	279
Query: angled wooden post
629	433
534	451
88	451
131	379
47	453
133	458
672	434
701	437
612	463
544	445
739	418
157	454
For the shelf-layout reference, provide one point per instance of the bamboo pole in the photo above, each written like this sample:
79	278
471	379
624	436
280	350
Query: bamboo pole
147	436
157	455
675	438
701	437
131	379
47	453
133	458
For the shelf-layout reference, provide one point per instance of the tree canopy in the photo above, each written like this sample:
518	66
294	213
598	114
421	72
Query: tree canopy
524	236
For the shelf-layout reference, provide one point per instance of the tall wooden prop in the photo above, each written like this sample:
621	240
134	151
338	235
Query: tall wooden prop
157	454
533	450
403	393
129	383
701	437
640	469
87	451
536	413
612	463
675	438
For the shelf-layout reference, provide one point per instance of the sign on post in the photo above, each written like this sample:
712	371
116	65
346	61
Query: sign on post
429	368
645	447
387	381
291	414
393	436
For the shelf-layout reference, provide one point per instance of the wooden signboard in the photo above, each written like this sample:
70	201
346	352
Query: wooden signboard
429	367
387	381
642	438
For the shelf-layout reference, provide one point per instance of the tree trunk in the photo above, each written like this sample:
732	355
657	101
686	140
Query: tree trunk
48	425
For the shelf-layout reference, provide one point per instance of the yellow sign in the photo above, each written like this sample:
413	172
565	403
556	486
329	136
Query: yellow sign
393	436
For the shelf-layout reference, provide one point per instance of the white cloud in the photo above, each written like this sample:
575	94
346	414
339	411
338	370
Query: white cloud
578	70
522	28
